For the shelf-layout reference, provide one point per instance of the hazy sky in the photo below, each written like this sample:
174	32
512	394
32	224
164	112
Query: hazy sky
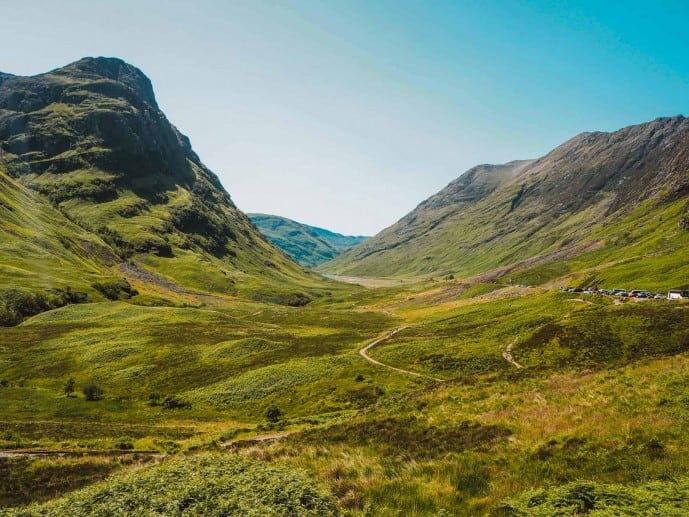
347	114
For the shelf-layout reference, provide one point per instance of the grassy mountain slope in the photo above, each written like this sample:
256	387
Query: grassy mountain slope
46	260
581	197
91	139
40	247
308	245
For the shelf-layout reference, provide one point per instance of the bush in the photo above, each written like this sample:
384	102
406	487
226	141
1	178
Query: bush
93	392
292	299
69	387
273	414
17	304
124	444
172	402
115	289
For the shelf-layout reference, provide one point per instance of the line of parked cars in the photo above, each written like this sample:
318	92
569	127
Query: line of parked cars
673	294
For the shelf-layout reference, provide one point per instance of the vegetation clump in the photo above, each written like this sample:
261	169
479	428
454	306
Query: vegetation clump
409	436
24	480
173	402
668	498
17	304
209	485
92	392
115	289
69	387
273	414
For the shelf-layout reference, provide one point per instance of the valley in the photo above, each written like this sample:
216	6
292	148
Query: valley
160	356
597	394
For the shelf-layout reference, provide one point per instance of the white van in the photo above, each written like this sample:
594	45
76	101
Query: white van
677	294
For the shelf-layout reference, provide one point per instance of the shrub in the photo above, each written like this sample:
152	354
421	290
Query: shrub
273	414
172	402
69	387
115	289
17	304
93	392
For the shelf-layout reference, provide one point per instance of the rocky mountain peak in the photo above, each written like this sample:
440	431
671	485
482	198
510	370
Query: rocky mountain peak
4	77
111	68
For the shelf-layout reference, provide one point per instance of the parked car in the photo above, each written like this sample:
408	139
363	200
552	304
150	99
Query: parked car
605	291
660	296
677	294
644	294
619	292
636	293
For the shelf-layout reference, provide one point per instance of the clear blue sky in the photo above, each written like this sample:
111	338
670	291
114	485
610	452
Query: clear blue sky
346	114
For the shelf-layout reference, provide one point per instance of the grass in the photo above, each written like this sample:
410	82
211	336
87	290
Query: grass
33	480
600	397
204	485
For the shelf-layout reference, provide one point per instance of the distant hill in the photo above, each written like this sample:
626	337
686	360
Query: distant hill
308	245
608	201
86	148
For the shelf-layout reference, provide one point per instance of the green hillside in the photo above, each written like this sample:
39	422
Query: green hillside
47	261
308	245
599	198
90	138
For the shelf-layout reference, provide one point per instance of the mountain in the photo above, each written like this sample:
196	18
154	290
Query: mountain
92	141
308	245
597	198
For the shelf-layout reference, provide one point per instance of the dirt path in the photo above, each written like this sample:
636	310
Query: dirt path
257	438
580	300
364	353
36	453
507	354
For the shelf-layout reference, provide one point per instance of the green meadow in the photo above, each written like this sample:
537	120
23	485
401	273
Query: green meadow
598	408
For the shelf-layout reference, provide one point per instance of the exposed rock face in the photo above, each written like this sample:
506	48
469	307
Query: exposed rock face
631	165
97	112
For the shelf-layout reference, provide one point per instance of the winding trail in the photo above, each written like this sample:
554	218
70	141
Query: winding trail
37	453
507	354
257	438
364	353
